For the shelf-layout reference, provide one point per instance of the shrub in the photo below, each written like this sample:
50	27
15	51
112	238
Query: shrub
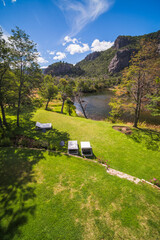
155	182
5	142
51	147
103	161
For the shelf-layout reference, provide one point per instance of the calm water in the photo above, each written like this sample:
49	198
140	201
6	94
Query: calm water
97	108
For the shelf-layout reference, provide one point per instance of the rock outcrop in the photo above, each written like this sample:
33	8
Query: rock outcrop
120	60
122	41
62	69
92	56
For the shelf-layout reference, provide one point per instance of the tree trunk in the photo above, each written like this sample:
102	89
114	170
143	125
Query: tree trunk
83	110
1	125
3	114
1	101
19	104
136	118
19	96
69	110
62	105
138	105
47	104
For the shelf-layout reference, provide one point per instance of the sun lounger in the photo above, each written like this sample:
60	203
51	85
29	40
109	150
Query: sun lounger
86	149
73	147
43	125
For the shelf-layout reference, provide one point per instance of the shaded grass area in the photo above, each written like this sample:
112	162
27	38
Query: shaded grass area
56	105
48	196
137	154
16	172
50	139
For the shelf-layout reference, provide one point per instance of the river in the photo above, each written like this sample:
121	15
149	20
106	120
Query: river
97	108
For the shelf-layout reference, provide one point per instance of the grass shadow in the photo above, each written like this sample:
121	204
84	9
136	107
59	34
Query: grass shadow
17	193
150	138
50	139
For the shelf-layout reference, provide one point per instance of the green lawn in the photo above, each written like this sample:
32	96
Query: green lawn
49	196
137	155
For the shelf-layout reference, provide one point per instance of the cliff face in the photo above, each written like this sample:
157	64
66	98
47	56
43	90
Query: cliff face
92	56
120	60
122	41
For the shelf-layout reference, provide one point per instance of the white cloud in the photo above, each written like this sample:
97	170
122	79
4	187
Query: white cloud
4	3
41	60
51	52
44	67
98	46
68	39
76	48
59	56
79	14
5	35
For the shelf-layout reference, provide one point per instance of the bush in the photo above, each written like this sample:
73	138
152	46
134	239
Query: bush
51	147
5	142
103	161
155	182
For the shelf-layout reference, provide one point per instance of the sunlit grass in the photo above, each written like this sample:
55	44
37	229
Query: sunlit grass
46	195
137	154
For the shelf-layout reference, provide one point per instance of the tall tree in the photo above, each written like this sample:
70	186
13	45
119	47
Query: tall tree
154	96
4	67
24	58
66	90
48	89
138	81
78	92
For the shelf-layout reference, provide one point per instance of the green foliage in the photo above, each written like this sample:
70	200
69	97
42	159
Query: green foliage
63	69
99	66
48	89
24	63
5	142
69	106
138	85
66	90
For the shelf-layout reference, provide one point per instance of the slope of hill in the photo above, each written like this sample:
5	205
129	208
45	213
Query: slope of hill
109	62
99	65
62	69
116	58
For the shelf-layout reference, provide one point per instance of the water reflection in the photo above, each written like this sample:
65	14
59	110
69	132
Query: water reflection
97	108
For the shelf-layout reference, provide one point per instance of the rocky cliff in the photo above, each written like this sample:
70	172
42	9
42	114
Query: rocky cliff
122	41
120	60
92	56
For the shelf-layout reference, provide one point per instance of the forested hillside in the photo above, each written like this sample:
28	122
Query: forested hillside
116	58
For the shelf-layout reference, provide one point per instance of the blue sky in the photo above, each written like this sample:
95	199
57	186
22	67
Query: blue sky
68	30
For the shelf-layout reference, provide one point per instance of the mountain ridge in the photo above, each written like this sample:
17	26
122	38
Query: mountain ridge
109	62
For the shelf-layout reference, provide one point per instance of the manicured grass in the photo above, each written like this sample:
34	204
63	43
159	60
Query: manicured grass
46	195
137	155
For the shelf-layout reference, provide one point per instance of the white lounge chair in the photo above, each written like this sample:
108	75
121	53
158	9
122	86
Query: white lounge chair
43	125
86	149
73	147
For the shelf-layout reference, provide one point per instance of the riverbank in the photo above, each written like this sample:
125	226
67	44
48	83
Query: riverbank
97	108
